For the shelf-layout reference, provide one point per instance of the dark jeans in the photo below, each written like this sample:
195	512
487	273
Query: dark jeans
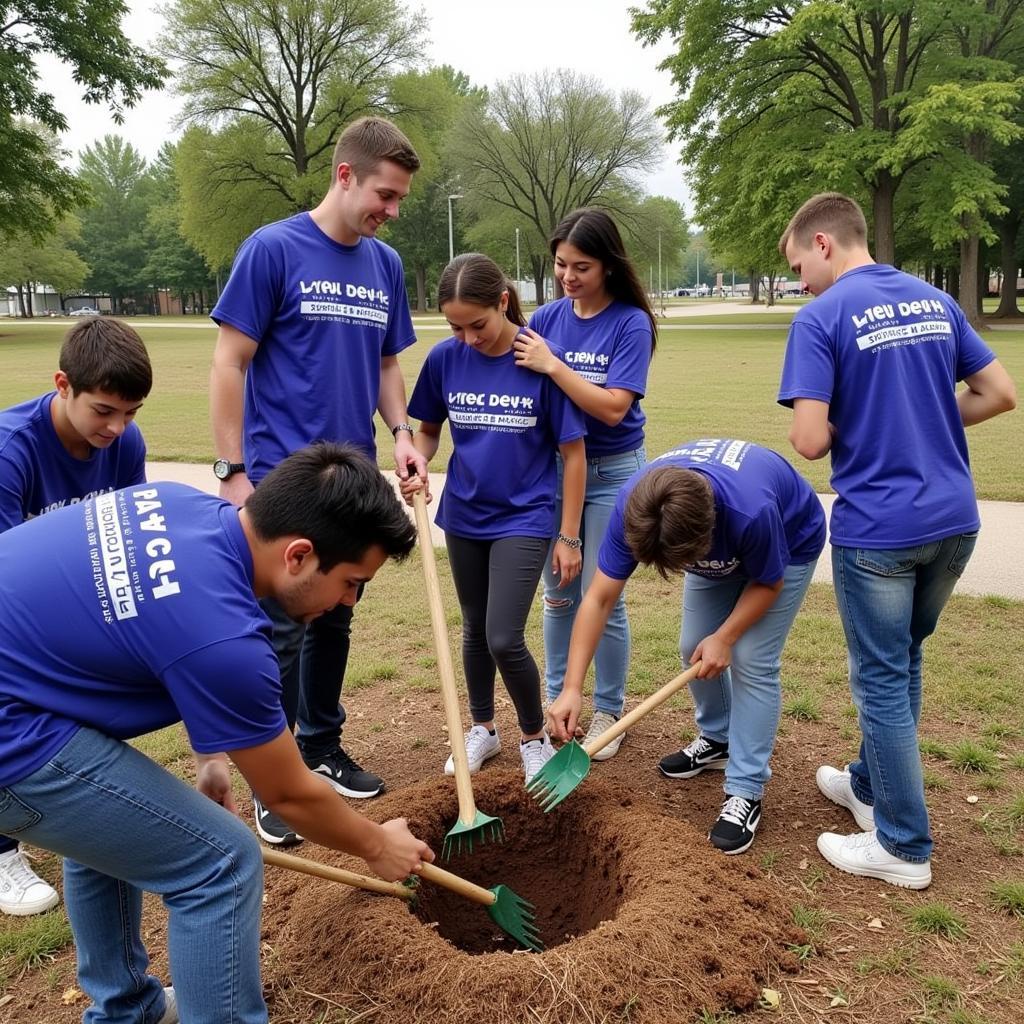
313	658
496	581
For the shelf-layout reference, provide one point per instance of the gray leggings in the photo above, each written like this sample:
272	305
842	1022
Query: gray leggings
496	581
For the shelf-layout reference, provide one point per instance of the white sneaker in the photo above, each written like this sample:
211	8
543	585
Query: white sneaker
22	891
171	1012
862	854
836	786
480	746
600	723
535	754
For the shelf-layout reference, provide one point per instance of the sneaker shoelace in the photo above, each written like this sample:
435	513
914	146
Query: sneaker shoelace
20	874
476	740
344	762
601	722
533	754
736	809
859	839
700	745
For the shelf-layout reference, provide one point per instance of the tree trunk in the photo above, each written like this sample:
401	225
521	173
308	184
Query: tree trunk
770	300
755	286
420	273
29	290
21	299
883	193
537	265
969	301
1009	229
952	283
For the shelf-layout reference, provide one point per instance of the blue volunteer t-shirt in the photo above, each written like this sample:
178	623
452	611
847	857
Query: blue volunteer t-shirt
612	350
324	314
767	517
885	351
506	423
38	474
127	613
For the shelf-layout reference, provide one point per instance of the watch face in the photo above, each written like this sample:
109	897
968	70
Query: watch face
221	469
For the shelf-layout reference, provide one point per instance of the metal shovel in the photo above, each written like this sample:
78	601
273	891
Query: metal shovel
511	913
472	826
570	766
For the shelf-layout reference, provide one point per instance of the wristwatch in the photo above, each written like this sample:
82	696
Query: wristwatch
222	469
402	426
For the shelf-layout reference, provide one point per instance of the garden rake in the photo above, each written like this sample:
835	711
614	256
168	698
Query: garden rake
511	913
472	826
570	766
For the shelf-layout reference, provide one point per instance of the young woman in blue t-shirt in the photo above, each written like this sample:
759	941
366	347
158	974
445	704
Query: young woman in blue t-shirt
606	330
498	508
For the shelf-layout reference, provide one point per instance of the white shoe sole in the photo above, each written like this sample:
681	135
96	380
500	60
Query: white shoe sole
352	794
893	877
29	909
866	823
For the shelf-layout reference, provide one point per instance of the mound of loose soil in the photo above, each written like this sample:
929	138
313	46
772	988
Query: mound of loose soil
639	918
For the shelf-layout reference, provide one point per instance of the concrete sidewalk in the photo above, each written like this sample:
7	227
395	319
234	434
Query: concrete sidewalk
997	566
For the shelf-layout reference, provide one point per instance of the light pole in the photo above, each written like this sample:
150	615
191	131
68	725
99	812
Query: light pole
661	290
517	260
451	233
698	273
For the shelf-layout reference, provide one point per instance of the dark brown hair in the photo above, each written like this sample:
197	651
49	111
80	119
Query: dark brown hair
366	143
830	212
476	278
594	233
670	519
103	354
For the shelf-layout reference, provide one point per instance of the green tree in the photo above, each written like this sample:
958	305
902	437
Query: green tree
655	235
35	190
28	261
113	225
543	145
286	76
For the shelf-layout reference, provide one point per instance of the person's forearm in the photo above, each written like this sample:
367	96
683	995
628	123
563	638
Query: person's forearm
574	485
751	607
426	444
227	387
392	402
609	405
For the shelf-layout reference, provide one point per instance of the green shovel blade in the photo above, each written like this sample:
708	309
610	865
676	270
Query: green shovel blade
560	776
461	837
514	916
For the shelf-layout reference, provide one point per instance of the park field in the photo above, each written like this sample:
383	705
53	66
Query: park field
718	379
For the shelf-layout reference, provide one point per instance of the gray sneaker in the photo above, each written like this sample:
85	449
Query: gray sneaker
600	723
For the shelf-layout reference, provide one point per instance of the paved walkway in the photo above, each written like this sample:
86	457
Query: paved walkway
996	568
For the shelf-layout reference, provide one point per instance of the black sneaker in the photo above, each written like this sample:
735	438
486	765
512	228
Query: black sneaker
345	775
700	755
736	825
271	828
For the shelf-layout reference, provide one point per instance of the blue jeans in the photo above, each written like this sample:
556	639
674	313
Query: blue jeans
124	825
605	476
889	603
313	659
743	705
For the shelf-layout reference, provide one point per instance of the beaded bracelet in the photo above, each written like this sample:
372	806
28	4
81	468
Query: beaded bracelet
571	542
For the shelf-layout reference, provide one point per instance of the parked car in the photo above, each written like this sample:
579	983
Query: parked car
84	311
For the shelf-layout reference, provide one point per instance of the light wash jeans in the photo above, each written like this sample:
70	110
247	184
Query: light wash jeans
605	476
743	705
124	825
889	603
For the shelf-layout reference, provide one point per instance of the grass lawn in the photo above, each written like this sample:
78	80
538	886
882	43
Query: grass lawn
710	383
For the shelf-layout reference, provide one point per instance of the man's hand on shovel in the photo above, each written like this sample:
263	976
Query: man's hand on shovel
563	714
400	853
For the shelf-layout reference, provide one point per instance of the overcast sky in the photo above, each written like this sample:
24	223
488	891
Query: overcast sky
486	40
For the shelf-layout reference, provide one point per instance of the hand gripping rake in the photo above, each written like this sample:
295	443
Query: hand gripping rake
570	766
511	913
472	826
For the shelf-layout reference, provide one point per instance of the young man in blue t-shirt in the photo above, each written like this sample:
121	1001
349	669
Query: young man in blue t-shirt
61	448
311	322
746	529
138	609
870	372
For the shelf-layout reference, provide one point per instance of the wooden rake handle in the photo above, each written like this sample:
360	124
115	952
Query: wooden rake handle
645	708
476	893
449	693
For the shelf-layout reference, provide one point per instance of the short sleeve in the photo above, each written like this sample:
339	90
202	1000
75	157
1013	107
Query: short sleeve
252	296
764	551
13	488
972	354
427	403
614	558
228	694
567	421
809	366
400	333
630	359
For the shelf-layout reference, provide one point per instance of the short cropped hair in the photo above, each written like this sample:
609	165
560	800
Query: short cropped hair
336	498
103	354
670	518
831	212
366	143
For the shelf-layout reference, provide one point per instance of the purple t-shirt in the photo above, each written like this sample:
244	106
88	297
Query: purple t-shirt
884	350
612	350
324	314
38	474
127	613
767	516
506	423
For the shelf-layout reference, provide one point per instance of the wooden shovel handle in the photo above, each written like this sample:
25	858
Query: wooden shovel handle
645	708
462	886
312	867
449	693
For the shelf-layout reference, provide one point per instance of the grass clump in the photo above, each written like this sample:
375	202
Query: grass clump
804	708
31	942
968	757
937	919
1008	896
